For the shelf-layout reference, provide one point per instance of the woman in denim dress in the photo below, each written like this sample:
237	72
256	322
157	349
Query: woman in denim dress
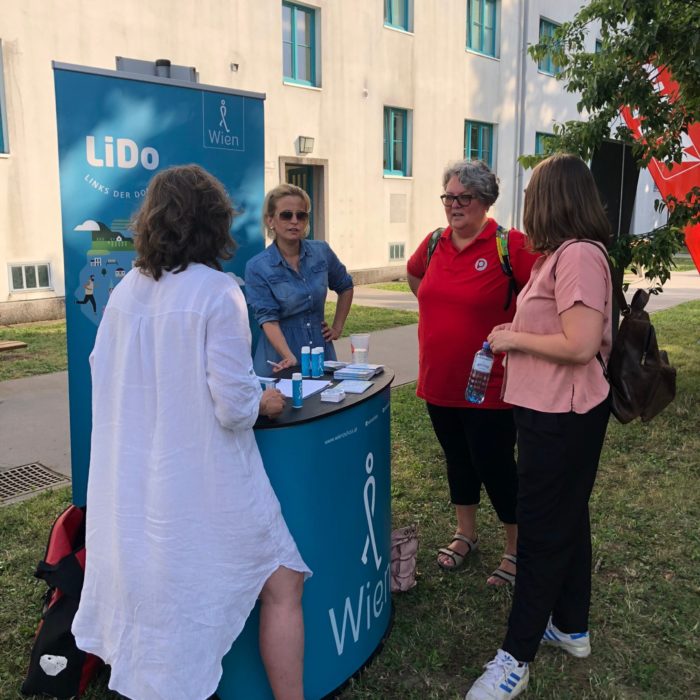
286	285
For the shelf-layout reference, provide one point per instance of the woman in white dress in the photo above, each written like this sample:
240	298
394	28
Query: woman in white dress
184	532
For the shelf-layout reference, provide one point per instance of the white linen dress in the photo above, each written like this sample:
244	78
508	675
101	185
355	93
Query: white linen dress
183	527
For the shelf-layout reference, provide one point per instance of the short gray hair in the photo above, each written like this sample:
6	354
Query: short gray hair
476	176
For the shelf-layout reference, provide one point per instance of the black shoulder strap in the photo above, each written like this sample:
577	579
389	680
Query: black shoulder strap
617	288
502	237
617	291
432	244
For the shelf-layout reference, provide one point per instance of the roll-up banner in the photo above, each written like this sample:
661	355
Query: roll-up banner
115	131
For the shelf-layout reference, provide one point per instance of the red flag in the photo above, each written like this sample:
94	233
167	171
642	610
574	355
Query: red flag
683	176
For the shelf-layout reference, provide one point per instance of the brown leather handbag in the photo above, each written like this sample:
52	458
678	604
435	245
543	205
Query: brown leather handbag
642	382
404	552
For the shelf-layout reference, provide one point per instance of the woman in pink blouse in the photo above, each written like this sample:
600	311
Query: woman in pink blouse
555	382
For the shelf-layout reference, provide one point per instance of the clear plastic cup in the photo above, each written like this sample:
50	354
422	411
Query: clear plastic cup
359	346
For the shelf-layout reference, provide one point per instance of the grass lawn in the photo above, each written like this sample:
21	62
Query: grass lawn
680	264
684	264
645	613
392	286
46	351
366	319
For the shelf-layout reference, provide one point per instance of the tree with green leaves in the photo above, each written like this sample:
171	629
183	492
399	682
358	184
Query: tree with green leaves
638	37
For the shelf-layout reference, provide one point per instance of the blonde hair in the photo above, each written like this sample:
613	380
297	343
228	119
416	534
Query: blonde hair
274	195
562	203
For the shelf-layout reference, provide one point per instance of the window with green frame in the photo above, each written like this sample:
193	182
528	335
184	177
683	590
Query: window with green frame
299	44
3	118
482	26
30	276
598	46
478	142
546	64
540	138
395	141
397	14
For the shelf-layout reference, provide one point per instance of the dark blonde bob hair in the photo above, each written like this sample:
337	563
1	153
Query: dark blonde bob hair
185	218
274	195
562	203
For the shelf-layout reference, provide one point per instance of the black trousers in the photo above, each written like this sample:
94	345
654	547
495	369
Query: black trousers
558	456
478	446
89	298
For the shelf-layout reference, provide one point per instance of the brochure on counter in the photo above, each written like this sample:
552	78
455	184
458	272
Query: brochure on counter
358	371
309	387
332	365
353	386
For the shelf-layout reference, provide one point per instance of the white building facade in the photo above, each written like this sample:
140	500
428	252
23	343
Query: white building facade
366	103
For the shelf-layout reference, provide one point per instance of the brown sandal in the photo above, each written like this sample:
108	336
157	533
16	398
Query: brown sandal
456	557
504	577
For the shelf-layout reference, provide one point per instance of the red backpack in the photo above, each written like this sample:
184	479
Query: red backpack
57	667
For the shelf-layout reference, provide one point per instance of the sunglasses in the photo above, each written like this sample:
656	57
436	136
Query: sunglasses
287	215
464	200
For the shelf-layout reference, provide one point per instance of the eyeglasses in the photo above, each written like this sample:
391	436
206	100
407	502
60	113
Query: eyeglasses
287	215
464	200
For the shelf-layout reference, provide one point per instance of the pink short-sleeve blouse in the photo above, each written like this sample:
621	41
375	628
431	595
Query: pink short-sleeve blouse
576	272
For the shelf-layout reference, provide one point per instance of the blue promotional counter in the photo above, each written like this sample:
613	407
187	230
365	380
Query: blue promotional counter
330	466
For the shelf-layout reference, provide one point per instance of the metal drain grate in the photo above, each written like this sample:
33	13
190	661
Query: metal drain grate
19	482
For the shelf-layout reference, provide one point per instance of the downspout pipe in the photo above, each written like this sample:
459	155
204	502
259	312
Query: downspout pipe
516	213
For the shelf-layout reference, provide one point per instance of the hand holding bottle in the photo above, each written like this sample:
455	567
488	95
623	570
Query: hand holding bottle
501	338
479	376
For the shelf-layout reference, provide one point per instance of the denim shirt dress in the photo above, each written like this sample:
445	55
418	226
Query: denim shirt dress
277	292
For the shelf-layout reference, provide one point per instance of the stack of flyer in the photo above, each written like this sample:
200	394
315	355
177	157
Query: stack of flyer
332	365
358	371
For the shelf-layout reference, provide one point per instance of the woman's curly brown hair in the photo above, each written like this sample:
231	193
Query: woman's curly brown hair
185	218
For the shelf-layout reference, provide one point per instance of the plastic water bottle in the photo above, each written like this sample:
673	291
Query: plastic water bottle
479	376
317	362
306	361
297	395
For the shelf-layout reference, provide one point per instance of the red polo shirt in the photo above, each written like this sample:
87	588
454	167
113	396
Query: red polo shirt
460	299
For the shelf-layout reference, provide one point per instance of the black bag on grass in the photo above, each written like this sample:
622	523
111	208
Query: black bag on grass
57	667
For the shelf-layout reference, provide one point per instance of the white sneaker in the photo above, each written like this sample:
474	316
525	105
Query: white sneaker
503	678
578	644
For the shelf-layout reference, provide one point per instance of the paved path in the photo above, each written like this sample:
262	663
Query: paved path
683	286
34	411
371	296
34	422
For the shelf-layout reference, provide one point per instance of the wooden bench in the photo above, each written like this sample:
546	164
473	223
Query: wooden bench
11	345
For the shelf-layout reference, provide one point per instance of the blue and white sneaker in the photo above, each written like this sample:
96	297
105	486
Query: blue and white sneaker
578	644
503	678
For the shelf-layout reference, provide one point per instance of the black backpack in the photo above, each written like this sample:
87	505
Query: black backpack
503	258
57	667
642	382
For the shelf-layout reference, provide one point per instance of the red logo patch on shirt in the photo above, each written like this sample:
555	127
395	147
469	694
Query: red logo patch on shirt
480	265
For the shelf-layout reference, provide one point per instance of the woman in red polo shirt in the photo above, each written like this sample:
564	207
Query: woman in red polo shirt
463	292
